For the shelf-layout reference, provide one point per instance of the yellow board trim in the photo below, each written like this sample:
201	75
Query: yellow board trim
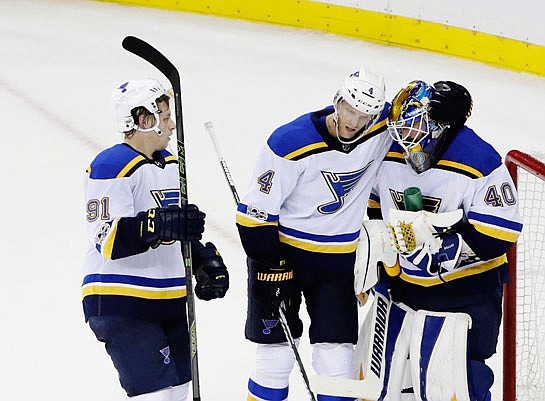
470	271
132	292
349	248
371	26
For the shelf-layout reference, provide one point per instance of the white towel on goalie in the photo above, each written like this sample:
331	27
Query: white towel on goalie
435	368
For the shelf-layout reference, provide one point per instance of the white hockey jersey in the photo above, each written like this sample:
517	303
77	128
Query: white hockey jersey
469	176
310	188
121	277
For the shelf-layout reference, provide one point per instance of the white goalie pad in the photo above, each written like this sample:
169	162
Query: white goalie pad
410	230
374	246
440	373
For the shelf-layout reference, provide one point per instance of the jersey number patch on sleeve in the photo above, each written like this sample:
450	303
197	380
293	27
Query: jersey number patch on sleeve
265	181
497	198
98	209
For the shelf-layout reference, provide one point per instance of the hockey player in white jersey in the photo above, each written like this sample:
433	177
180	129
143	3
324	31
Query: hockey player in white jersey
440	305
134	286
299	224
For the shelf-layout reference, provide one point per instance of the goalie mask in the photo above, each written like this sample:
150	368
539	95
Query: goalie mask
131	95
410	125
365	92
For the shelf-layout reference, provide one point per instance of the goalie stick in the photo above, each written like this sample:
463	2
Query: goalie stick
282	317
158	60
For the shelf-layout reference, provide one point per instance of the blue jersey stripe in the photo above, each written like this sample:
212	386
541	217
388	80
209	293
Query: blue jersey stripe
495	220
134	280
350	237
267	393
242	208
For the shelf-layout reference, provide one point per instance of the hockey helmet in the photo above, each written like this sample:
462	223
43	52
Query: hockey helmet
133	94
365	92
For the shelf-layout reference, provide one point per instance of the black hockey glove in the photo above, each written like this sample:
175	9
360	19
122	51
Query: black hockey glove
172	223
271	285
450	104
210	272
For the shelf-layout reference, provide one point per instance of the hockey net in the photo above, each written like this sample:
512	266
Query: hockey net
524	303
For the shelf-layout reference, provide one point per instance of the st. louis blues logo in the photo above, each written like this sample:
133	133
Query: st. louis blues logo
340	185
431	204
269	324
166	353
166	197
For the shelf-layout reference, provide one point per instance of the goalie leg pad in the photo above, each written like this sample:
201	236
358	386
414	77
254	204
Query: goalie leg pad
439	348
270	378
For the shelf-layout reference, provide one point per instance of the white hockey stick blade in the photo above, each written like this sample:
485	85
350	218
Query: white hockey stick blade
368	389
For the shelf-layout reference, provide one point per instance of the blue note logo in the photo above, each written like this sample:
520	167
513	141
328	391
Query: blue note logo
269	324
166	354
166	197
340	185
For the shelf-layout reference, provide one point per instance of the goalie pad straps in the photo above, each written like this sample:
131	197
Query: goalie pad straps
438	359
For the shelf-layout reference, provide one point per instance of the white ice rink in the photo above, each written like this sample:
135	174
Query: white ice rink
59	61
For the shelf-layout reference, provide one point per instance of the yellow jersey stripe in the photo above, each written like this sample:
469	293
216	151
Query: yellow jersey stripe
247	222
171	158
470	271
496	233
460	166
108	246
313	247
130	165
305	149
132	292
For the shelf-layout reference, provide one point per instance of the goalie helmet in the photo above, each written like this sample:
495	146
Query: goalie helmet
364	91
133	94
410	125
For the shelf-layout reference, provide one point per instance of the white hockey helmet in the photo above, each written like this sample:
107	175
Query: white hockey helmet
132	94
364	91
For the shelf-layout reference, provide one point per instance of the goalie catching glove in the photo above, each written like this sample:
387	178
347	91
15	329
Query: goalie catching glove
426	239
210	272
272	284
169	224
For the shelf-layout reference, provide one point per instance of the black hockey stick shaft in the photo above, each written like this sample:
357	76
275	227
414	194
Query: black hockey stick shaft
282	317
158	60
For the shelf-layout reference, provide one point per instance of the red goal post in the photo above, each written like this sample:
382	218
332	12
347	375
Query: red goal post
524	302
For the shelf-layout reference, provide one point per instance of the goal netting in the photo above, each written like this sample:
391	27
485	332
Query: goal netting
524	304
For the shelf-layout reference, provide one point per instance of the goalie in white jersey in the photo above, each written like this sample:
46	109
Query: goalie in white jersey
134	288
299	224
440	304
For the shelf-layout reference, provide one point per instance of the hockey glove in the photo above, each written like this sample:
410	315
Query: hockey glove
450	104
173	223
272	285
429	263
210	272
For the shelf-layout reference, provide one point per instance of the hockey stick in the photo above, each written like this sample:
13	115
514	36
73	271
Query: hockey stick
159	61
282	318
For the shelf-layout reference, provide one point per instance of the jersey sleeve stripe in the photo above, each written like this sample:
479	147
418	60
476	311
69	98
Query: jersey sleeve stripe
108	245
489	220
244	209
248	222
496	233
